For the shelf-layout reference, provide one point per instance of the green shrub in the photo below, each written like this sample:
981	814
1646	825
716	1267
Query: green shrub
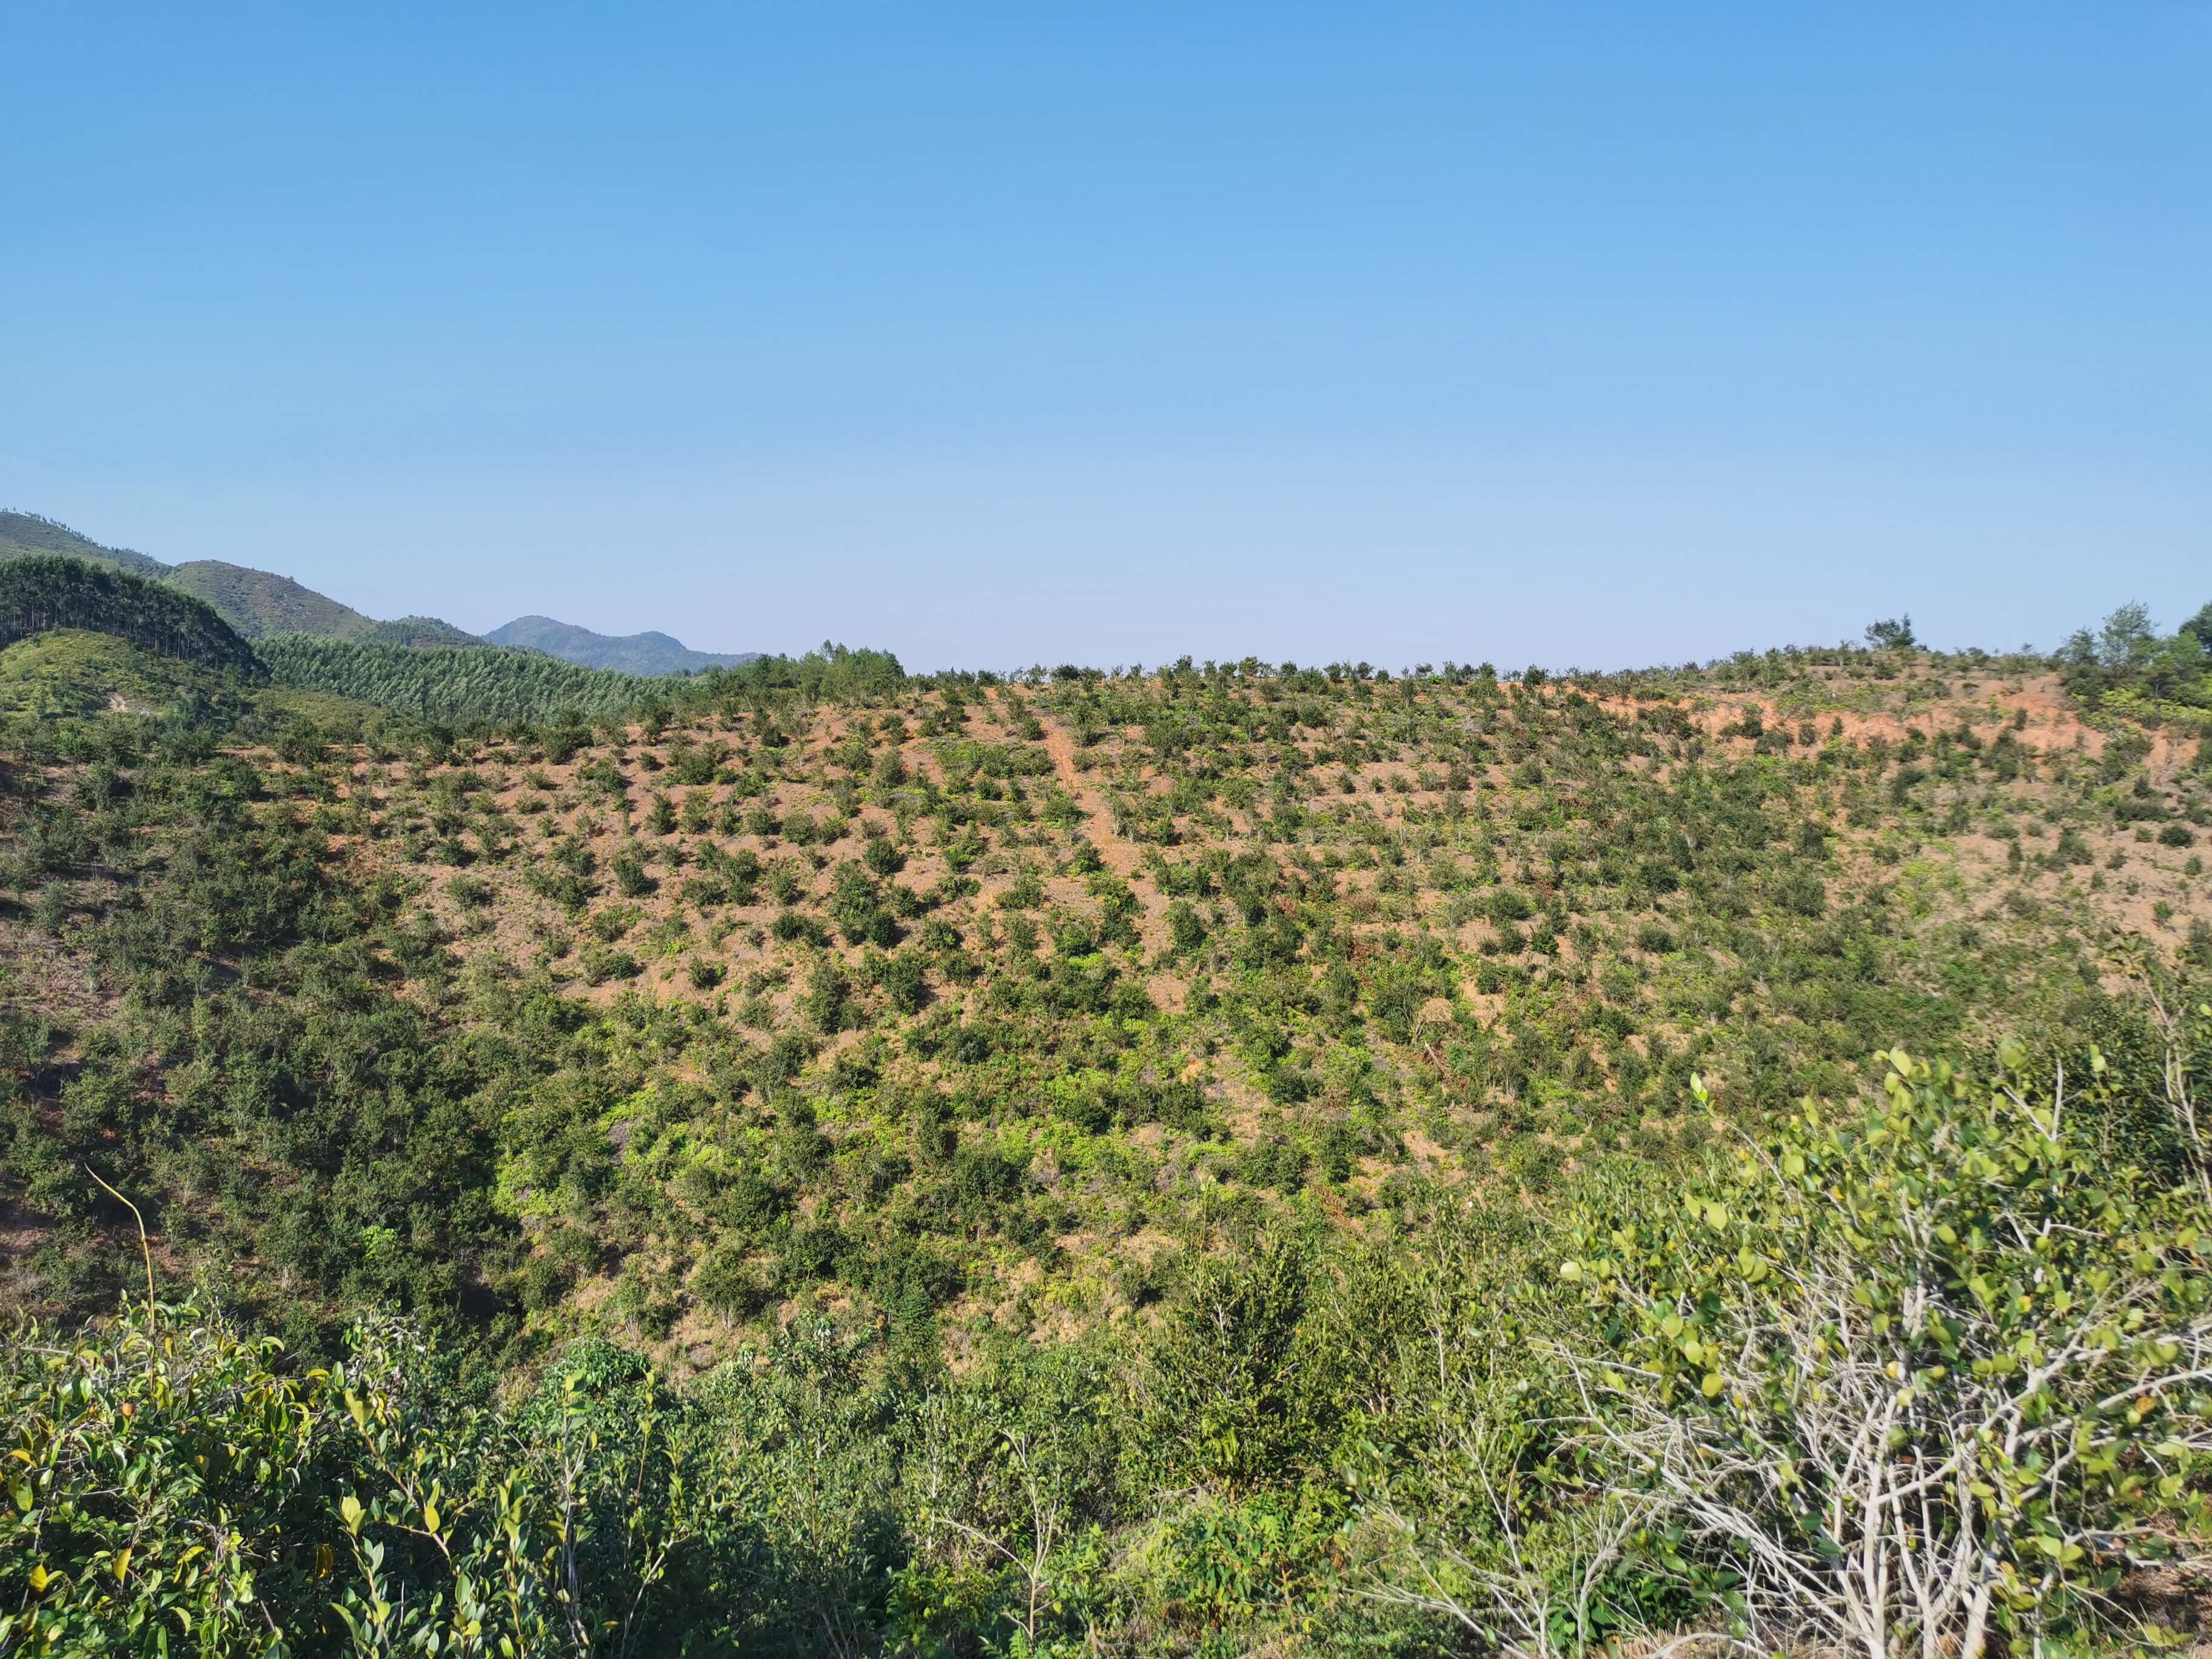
828	997
1931	1374
630	877
357	1508
1237	1392
600	965
729	1284
470	893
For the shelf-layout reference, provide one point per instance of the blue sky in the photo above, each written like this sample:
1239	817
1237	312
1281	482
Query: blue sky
1571	333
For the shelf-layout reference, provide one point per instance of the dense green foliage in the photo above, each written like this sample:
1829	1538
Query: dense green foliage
46	591
1246	1158
1931	1374
484	684
65	672
2128	666
834	674
494	686
421	632
1943	1368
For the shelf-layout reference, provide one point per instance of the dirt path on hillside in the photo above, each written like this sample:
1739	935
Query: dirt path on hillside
1115	851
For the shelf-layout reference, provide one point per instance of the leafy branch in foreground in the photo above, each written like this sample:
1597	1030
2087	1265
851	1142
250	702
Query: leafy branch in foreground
171	1481
1916	1378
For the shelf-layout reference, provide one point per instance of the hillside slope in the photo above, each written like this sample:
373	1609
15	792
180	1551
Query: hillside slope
61	672
258	603
25	533
650	653
1282	934
1181	1109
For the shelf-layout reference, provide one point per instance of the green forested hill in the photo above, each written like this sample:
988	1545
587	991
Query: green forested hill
256	603
417	668
64	672
43	592
25	533
259	604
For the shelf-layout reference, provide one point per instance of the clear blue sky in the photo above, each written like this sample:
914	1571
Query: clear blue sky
1572	333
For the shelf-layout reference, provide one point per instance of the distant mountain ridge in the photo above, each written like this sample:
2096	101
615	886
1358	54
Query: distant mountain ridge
255	603
649	654
259	604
